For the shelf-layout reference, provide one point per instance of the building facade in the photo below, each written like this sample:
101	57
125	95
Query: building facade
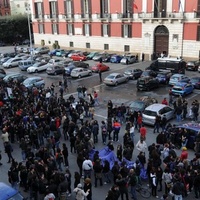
4	7
139	26
19	7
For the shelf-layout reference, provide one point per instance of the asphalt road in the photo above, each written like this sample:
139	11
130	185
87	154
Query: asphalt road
123	93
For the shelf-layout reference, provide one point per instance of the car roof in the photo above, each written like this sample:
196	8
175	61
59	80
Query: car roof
177	75
33	77
155	107
6	191
193	126
180	84
114	74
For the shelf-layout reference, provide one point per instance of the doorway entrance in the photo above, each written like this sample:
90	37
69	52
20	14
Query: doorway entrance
161	40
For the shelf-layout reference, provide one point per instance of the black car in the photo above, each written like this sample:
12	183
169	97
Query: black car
133	73
14	77
2	73
192	65
80	64
148	73
11	55
147	83
163	77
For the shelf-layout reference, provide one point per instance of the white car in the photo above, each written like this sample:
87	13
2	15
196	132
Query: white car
150	113
115	79
38	67
80	72
12	62
199	69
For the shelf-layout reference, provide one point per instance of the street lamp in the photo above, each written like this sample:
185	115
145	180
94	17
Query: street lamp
28	9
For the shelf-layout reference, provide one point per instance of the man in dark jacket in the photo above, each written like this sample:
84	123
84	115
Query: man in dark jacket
133	182
197	184
121	182
178	189
62	188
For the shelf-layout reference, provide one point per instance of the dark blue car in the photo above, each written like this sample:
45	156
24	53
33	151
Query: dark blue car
195	81
163	77
115	59
192	130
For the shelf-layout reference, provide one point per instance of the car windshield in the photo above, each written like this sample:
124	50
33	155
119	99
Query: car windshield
194	79
137	105
177	88
111	77
190	63
28	81
150	113
175	78
161	75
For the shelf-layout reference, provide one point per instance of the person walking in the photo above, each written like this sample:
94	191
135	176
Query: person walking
141	145
116	127
87	167
80	194
88	187
100	75
8	151
103	132
133	183
178	189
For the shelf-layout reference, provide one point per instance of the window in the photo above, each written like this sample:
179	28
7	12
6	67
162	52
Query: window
88	45
71	44
127	8
105	30
198	33
53	9
86	29
85	6
70	29
126	48
106	46
41	28
127	31
160	7
104	7
68	6
39	9
54	28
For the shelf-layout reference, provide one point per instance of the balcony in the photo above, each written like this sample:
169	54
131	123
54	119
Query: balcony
68	17
125	16
86	16
39	16
53	16
161	16
105	16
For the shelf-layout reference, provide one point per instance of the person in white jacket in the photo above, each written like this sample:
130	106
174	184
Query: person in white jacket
80	194
141	145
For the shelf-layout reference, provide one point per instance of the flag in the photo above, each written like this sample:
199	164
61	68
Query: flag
135	6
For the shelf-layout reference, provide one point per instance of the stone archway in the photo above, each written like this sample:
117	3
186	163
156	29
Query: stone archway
161	40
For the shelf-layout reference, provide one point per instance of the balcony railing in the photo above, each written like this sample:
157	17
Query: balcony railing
53	16
86	15
39	16
162	15
126	15
105	15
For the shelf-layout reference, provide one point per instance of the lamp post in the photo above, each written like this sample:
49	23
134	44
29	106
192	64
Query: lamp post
28	9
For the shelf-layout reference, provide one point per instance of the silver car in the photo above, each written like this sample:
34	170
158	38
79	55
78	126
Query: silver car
178	78
128	59
12	62
150	113
41	50
80	72
115	79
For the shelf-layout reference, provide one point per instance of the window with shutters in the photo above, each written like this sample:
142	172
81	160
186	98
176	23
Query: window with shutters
68	7
41	28
198	33
127	8
70	29
160	8
53	9
127	30
126	48
198	8
87	45
54	29
71	44
104	6
39	10
85	6
106	46
86	29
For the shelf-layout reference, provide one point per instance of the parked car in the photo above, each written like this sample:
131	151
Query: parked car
52	52
91	55
100	67
128	59
60	52
34	81
69	69
199	69
78	57
38	67
12	62
115	79
178	78
55	61
140	104
192	65
195	81
14	77
100	56
74	52
41	50
193	130
55	69
182	88
25	64
9	193
2	73
42	59
107	58
69	52
80	72
10	55
150	113
3	60
147	83
133	73
149	72
163	77
115	58
79	64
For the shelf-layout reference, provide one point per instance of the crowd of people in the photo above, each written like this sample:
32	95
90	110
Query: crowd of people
38	122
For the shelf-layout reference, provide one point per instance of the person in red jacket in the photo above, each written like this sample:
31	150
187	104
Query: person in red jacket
116	128
184	154
139	121
143	132
164	101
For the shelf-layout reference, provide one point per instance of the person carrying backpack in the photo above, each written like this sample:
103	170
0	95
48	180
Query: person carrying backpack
80	194
133	183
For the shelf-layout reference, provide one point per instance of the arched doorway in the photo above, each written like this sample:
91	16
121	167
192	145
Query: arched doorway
161	40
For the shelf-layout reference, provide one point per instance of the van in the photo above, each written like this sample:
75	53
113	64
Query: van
25	64
9	193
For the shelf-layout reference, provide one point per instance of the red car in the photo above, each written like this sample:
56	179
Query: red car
78	57
100	66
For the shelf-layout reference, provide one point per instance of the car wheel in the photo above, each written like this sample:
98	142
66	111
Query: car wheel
116	83
55	73
36	71
79	76
90	74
